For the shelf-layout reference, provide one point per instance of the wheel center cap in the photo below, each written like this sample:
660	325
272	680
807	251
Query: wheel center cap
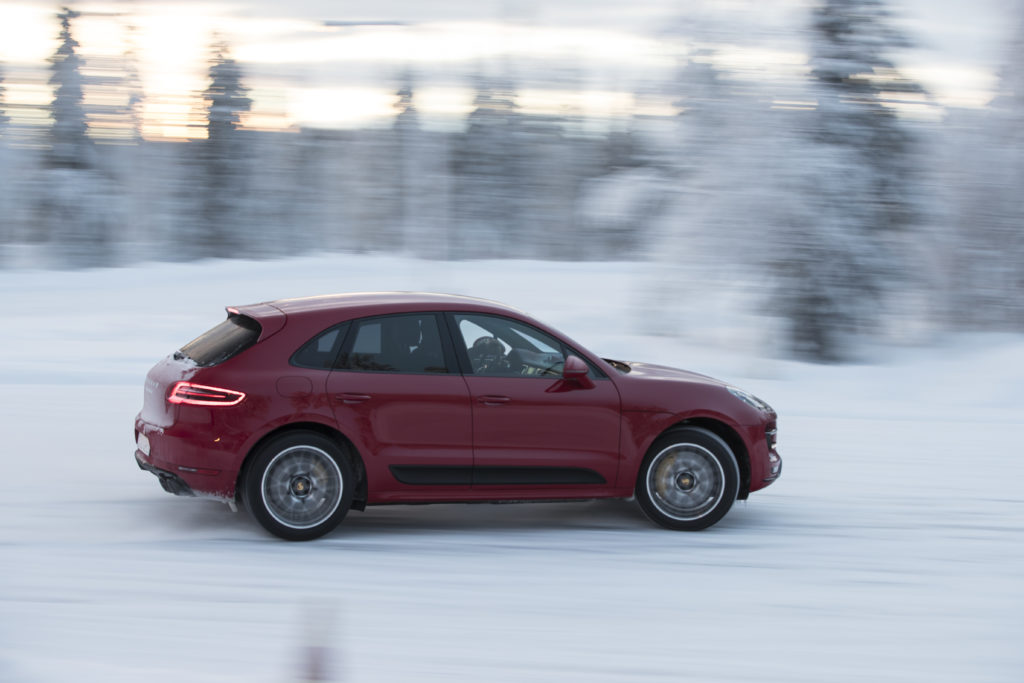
301	486
686	481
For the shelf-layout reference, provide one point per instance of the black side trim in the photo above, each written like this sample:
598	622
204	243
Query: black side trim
535	475
454	475
436	475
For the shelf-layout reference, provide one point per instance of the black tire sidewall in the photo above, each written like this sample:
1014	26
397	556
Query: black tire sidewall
253	494
721	451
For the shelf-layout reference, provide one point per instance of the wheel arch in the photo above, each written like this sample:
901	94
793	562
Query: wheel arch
346	445
731	438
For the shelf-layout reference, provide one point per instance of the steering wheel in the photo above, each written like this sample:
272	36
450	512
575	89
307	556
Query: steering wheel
487	355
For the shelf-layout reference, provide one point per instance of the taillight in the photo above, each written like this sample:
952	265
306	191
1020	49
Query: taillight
201	395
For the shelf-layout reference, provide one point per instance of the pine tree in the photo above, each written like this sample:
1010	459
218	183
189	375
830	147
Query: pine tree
721	170
841	253
7	221
133	86
989	256
408	156
226	97
4	119
488	169
703	106
225	165
71	146
407	118
79	206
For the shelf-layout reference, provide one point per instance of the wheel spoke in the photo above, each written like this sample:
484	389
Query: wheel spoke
686	481
302	487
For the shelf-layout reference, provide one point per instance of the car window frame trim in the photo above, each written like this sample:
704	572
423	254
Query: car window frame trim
462	353
450	356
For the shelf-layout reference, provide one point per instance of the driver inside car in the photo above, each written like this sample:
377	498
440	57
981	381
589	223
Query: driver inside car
487	356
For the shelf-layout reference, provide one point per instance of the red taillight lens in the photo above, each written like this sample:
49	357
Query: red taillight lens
201	395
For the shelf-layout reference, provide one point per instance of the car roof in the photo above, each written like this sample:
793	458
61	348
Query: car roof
360	304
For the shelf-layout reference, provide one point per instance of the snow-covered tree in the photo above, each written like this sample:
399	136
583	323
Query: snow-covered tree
422	186
408	167
722	168
987	269
226	98
70	144
705	107
487	164
224	166
76	205
6	209
4	119
133	86
406	117
841	251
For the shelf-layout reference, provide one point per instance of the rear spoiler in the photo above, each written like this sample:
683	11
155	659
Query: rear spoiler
270	318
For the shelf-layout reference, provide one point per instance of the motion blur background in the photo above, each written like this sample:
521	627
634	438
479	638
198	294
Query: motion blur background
845	169
819	201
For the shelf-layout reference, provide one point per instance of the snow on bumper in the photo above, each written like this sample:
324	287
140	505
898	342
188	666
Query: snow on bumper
186	463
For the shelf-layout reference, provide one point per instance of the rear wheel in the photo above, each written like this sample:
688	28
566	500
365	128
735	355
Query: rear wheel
299	486
688	480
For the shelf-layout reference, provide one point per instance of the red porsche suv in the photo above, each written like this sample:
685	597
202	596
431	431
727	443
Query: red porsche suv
305	408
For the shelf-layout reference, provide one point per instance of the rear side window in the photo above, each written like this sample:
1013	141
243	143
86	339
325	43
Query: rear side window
224	341
405	343
321	351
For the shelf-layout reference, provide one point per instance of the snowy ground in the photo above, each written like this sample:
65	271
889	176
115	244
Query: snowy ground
892	549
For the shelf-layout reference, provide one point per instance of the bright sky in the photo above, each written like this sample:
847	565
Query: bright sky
579	57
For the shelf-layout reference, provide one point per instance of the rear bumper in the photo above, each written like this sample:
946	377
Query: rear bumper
170	481
187	461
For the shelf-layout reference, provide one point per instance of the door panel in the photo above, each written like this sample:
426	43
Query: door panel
532	429
541	424
403	420
398	395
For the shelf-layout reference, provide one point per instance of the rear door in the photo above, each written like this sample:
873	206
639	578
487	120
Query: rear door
535	435
398	395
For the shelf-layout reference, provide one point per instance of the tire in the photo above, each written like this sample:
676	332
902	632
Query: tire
688	480
299	486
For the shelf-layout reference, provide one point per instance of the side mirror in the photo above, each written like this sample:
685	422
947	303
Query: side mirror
576	370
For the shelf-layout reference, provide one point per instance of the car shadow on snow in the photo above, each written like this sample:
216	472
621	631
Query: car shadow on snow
210	519
183	518
590	515
603	515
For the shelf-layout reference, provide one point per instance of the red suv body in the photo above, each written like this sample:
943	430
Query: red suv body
304	408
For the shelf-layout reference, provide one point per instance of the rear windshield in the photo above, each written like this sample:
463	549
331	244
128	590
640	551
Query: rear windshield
224	341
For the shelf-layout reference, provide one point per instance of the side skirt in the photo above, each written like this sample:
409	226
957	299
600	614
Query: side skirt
444	475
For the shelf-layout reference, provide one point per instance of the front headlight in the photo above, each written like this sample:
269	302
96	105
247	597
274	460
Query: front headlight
750	399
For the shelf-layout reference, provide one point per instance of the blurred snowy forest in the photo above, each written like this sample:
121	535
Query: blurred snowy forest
842	205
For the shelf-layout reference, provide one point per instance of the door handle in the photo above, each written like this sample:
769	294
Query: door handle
494	400
352	399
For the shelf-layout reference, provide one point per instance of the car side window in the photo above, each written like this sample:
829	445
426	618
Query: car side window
321	351
502	347
398	343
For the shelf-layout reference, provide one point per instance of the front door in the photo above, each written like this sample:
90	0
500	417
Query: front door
535	434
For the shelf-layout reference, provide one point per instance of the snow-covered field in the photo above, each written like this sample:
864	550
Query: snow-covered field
892	549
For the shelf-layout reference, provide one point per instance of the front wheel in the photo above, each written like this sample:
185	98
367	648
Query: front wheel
688	480
299	486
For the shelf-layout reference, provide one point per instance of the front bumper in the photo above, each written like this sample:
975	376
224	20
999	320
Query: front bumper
765	462
774	467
